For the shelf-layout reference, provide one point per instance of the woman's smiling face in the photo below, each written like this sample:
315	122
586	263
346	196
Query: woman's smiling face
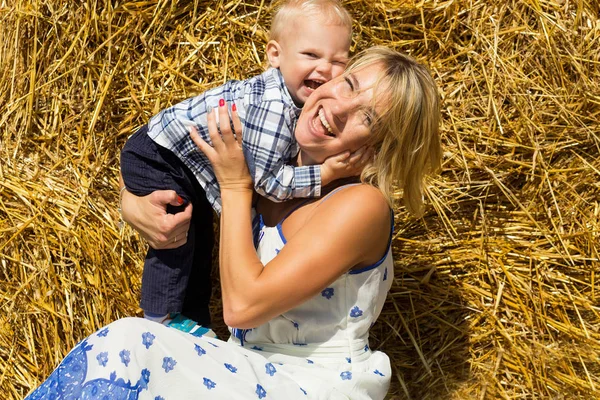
338	115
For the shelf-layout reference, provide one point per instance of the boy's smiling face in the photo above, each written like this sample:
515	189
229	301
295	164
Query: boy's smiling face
310	53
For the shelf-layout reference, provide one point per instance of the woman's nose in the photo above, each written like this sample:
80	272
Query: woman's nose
343	109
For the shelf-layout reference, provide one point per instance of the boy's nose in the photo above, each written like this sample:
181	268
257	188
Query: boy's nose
324	68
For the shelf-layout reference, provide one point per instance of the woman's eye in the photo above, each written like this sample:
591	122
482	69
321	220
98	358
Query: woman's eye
349	82
368	119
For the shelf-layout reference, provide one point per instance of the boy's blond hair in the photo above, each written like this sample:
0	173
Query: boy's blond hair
286	11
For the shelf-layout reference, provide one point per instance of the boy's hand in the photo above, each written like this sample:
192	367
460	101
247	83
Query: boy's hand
345	164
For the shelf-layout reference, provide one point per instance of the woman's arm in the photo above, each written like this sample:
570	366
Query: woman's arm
148	215
350	229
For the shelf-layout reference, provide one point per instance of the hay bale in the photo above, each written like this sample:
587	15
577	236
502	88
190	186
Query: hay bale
495	293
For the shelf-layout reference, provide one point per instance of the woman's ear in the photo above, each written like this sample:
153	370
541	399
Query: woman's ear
274	53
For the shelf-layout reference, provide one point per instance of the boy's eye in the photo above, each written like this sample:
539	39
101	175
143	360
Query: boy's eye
311	55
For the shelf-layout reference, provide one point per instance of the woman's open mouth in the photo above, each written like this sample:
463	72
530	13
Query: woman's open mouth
323	119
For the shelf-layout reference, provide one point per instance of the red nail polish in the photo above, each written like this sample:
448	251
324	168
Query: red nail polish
179	200
233	107
221	103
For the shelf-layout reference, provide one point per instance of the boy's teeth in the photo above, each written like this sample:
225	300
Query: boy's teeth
324	121
312	84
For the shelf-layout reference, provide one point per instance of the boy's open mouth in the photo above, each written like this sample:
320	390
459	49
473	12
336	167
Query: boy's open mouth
312	84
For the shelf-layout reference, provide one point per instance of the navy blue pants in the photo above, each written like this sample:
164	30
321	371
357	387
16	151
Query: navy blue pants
174	280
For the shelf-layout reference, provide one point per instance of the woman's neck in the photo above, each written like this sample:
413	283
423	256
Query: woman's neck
273	212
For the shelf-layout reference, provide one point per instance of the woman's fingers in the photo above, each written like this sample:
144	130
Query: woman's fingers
237	124
213	129
225	124
200	143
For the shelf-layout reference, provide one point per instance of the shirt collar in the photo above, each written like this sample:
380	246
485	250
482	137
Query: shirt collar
285	93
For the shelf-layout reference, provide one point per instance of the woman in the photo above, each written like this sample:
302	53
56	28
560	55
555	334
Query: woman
302	301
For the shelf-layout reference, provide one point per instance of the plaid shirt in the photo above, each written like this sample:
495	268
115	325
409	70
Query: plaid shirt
268	116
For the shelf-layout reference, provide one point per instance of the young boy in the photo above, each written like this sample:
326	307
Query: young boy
309	45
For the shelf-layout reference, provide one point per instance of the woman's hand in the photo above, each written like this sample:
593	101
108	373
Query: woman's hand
148	215
225	154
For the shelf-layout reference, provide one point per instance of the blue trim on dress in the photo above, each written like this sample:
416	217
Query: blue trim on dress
279	225
280	230
257	226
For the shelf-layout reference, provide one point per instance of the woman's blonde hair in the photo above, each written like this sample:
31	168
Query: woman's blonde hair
405	134
286	11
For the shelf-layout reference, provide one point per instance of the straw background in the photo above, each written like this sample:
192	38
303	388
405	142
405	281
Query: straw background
496	289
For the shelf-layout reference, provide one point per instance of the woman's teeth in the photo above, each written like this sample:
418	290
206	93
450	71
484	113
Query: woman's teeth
325	123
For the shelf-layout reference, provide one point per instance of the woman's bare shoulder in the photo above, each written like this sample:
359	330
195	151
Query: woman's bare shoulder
361	201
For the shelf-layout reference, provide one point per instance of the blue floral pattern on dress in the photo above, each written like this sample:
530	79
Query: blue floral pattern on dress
240	334
256	348
327	293
348	360
67	381
102	358
168	364
159	398
260	391
147	339
270	369
346	375
385	275
304	391
199	350
376	372
356	312
208	383
366	347
103	332
231	368
145	378
125	357
310	361
296	325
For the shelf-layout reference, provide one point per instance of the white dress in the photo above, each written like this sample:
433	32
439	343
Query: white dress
318	350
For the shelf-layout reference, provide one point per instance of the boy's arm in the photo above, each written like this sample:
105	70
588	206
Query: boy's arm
268	146
298	182
290	182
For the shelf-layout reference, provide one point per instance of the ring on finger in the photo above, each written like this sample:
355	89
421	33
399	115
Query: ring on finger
175	239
